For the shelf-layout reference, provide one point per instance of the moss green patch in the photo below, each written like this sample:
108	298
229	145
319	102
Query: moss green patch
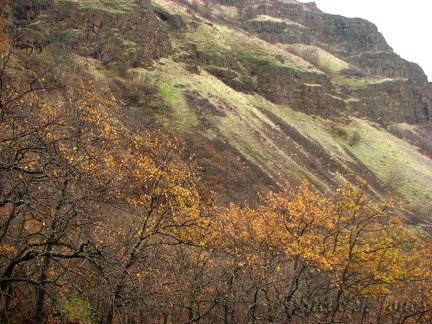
173	79
223	42
111	7
168	91
208	40
80	311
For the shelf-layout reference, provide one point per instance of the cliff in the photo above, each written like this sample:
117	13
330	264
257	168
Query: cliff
356	42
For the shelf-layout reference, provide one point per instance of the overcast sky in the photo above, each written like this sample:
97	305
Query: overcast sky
406	25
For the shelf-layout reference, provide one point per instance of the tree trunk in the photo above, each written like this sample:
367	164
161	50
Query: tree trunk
41	292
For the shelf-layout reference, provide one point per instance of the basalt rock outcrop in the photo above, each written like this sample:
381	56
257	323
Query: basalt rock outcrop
401	100
355	41
332	32
310	93
128	34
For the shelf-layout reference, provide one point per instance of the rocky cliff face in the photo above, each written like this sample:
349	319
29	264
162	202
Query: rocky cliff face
395	101
122	34
355	41
310	93
306	23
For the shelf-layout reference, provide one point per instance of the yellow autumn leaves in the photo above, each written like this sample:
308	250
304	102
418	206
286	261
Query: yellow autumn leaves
345	248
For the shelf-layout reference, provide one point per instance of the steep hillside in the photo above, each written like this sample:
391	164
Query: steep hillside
300	93
265	92
210	162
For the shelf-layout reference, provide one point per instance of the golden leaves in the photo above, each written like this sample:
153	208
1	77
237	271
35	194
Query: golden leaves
5	248
4	41
353	240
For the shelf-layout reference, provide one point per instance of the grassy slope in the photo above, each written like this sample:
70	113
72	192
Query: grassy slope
244	125
397	163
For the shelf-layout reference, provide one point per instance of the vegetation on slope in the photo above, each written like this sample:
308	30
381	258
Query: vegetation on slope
106	216
102	225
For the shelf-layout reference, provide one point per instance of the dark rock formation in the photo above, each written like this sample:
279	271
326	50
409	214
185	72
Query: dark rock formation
387	65
334	33
353	40
311	93
393	101
131	36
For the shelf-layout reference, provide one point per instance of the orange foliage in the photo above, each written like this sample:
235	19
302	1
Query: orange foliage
345	249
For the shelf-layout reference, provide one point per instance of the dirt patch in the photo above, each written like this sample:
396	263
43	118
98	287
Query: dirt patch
226	173
304	152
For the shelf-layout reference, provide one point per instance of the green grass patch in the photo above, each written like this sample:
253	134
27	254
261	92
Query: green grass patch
79	311
394	161
173	79
317	56
168	92
222	42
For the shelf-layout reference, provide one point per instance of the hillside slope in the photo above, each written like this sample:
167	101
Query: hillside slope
265	92
210	162
299	93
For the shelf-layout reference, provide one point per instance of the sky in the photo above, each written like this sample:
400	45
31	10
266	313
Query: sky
405	25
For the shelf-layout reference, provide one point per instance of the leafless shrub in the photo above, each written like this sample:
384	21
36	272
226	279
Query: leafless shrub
311	54
394	179
354	139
